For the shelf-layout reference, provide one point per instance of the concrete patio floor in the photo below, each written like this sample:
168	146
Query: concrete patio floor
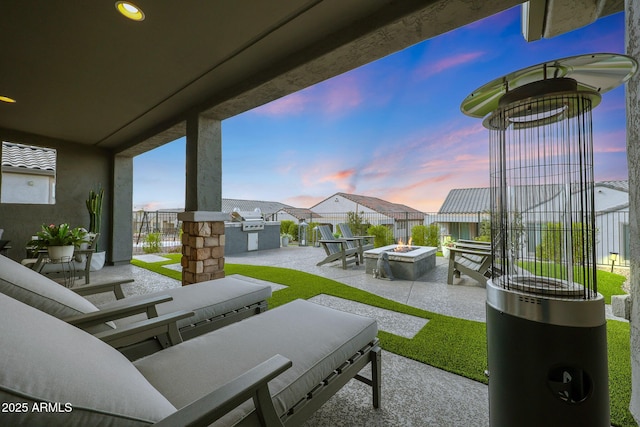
414	394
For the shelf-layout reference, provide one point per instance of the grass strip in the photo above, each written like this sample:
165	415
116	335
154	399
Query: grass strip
454	345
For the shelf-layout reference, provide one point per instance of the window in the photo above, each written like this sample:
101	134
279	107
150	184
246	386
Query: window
28	174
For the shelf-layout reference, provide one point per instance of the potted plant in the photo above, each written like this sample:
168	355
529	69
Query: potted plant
60	240
446	245
94	206
286	237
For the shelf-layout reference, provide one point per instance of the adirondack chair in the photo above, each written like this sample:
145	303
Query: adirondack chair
363	243
337	249
472	260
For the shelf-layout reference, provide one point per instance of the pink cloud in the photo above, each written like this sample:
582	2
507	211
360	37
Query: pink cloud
303	200
334	96
343	93
432	68
291	104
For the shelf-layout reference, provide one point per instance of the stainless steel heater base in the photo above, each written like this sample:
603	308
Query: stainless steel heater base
544	372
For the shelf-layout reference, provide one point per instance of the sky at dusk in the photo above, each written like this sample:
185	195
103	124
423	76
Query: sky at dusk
390	129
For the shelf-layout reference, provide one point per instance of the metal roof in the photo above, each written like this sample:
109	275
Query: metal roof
466	200
301	213
378	205
266	207
470	200
28	157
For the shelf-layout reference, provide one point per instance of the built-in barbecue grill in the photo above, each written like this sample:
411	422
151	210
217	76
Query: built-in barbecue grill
251	220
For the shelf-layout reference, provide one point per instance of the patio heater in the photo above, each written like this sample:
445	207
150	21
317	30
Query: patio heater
546	328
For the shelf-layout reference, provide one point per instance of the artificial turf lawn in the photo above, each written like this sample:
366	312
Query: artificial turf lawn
452	344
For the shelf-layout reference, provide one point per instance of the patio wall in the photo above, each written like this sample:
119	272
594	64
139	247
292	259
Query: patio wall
21	221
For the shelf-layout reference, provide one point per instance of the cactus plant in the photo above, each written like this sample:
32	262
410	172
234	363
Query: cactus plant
94	206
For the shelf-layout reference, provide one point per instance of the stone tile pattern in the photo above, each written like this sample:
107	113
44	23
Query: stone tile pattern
202	251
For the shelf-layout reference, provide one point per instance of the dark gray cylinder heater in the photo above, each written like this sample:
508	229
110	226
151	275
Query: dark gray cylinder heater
546	328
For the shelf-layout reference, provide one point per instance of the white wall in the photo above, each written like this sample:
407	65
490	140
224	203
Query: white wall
27	188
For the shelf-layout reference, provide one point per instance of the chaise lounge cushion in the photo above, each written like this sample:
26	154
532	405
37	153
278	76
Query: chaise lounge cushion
43	359
206	299
33	289
317	339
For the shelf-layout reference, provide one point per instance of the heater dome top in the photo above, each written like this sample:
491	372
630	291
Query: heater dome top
599	72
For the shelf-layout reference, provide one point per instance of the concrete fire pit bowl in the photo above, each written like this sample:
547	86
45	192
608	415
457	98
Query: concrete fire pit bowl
409	264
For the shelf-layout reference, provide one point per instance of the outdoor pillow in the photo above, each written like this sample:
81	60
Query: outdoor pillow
38	291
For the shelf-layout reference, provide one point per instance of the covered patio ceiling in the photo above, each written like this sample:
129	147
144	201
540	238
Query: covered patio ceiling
82	73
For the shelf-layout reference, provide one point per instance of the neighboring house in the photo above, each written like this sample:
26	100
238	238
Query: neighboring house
462	212
268	209
28	174
400	218
464	209
298	215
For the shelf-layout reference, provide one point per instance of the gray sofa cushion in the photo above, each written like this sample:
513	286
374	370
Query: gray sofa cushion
206	299
43	359
317	339
38	291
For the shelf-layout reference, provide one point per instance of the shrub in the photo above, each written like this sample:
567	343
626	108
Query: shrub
357	223
425	235
293	230
551	248
151	244
284	226
485	231
383	236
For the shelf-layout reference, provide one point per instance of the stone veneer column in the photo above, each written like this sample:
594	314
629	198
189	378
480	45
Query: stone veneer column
202	246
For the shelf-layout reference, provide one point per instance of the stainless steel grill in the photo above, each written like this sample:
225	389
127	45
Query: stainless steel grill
251	220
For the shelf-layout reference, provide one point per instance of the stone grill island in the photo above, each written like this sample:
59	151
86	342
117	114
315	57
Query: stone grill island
406	262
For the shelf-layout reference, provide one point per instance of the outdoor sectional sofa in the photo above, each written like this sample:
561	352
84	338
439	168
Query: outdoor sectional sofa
55	374
190	310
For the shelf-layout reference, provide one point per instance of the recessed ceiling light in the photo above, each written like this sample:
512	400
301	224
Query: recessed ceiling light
130	10
7	99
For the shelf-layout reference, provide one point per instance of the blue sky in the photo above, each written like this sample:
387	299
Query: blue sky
390	129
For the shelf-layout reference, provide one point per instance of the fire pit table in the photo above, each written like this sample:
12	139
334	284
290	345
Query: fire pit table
406	262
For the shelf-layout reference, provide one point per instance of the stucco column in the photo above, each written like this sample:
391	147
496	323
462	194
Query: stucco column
203	221
632	17
203	190
121	243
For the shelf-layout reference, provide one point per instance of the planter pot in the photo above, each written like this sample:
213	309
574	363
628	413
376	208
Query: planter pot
97	260
60	252
285	241
445	251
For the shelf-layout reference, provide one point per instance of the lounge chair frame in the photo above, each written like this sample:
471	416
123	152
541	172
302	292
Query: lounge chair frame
252	384
143	348
222	401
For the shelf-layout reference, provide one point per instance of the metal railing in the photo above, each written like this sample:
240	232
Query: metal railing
156	231
162	229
